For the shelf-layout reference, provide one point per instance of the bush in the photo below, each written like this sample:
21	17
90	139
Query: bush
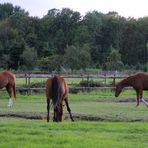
91	83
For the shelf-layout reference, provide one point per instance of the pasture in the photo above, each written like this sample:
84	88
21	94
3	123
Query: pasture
101	120
35	134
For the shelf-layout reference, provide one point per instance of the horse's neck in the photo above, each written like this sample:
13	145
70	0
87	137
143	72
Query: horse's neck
127	82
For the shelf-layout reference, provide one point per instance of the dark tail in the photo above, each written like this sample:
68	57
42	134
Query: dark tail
14	90
14	87
55	90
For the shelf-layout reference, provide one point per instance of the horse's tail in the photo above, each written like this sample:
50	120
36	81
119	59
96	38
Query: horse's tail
14	87
55	91
14	90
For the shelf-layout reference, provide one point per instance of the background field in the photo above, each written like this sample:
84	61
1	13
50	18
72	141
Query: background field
99	105
101	120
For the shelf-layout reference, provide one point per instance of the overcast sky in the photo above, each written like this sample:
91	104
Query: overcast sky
126	8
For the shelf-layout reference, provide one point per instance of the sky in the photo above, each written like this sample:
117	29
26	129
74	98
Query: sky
126	8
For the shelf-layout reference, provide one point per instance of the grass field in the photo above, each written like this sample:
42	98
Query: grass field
22	133
102	105
118	128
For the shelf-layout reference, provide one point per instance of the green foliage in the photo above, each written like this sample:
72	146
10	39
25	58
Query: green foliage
90	83
77	57
60	31
52	63
29	58
114	60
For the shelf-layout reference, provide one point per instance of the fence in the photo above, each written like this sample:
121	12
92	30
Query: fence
104	77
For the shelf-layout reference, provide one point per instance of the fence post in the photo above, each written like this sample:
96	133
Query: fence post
105	78
88	84
29	82
26	79
114	79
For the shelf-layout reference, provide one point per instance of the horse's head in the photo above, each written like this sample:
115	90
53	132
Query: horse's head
58	114
118	89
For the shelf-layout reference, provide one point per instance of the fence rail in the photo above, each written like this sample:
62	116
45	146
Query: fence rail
29	76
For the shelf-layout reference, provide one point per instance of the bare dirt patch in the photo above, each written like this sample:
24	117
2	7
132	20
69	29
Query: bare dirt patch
131	100
42	116
77	117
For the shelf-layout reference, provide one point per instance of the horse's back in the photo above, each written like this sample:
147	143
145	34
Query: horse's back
7	74
7	77
63	88
141	80
141	76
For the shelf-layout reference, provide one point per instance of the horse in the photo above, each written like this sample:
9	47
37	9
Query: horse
57	92
138	81
8	80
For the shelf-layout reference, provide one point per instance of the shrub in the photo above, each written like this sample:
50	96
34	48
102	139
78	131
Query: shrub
91	83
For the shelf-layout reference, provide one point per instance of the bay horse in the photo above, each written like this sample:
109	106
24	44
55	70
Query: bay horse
8	80
57	92
138	81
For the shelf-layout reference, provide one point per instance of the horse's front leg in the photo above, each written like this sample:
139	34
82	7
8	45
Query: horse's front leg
68	108
10	92
48	108
138	96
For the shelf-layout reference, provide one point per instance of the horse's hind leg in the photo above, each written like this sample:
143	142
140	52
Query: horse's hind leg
48	108
10	92
146	103
68	109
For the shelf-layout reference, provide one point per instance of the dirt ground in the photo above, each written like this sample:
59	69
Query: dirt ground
42	116
77	117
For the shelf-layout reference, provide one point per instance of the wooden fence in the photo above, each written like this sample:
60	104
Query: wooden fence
104	77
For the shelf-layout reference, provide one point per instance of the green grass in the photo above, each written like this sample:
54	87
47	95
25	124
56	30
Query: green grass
35	134
106	106
17	132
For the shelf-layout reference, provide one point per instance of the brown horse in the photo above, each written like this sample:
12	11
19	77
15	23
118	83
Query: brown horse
138	81
57	91
8	80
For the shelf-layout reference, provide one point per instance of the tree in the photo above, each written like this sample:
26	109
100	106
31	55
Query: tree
114	60
11	43
84	57
77	57
133	45
52	63
29	59
6	10
4	62
60	27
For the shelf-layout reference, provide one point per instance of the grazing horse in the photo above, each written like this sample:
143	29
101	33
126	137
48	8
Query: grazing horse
138	81
8	80
57	91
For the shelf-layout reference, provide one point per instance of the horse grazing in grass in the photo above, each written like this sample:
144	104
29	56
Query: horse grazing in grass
57	91
8	80
138	81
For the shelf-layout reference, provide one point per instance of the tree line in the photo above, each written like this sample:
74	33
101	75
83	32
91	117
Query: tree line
63	39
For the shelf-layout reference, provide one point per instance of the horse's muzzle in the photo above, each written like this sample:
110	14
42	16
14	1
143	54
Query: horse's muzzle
116	95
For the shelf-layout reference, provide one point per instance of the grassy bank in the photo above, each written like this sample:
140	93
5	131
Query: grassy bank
35	134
